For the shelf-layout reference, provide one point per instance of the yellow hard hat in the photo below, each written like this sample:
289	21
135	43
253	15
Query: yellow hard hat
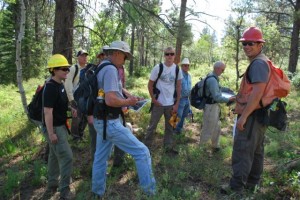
58	60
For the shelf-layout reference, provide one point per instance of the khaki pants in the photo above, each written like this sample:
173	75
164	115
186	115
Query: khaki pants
60	160
156	114
211	125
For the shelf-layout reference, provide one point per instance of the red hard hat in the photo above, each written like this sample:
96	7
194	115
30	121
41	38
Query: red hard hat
253	34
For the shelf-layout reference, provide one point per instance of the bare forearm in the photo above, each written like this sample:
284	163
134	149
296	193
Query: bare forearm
111	99
49	121
150	89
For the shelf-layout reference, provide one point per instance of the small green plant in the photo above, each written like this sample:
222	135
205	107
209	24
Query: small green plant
39	173
296	81
13	179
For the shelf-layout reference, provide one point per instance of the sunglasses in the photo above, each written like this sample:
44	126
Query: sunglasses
248	43
65	69
169	54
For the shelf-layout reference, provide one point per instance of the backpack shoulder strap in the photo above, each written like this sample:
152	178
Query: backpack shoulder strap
161	68
101	66
176	78
76	72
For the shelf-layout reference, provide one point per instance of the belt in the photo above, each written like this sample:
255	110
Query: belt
185	97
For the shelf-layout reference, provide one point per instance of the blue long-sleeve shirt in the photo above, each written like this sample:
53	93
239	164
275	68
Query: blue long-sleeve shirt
186	85
212	89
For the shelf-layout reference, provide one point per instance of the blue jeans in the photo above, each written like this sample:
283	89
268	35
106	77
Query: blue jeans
117	134
182	112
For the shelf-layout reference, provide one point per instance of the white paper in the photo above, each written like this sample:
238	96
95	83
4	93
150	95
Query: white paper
139	105
227	95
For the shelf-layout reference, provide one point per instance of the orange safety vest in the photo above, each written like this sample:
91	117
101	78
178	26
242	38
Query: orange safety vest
278	86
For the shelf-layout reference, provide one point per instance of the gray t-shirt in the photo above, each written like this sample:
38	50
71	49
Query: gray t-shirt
109	80
258	72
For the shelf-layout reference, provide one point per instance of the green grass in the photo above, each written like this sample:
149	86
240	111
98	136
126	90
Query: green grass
193	174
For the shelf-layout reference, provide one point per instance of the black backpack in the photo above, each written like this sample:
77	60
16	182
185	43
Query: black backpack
198	96
274	115
35	107
278	115
86	93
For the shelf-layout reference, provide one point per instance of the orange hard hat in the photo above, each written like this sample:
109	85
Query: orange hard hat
253	34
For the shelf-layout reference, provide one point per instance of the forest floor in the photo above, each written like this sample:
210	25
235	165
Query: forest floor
122	182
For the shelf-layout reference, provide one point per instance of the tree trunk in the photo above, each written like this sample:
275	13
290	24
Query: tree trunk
142	45
21	32
237	51
294	50
146	53
131	49
36	22
179	39
63	28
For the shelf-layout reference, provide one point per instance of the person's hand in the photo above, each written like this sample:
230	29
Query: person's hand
140	98
53	138
240	123
74	112
132	100
90	119
73	104
157	103
174	109
231	99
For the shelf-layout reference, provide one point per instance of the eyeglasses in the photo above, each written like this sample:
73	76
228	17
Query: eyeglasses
169	54
65	69
248	43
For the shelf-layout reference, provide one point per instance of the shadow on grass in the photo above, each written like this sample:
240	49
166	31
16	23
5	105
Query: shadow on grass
21	164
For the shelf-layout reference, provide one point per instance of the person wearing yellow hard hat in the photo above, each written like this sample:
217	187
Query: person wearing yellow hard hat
55	106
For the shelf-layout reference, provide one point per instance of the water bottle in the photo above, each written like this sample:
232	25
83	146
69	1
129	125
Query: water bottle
100	104
273	106
100	96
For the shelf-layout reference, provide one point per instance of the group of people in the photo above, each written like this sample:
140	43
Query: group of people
169	89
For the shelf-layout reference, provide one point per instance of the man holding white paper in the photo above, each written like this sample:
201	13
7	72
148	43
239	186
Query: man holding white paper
211	128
